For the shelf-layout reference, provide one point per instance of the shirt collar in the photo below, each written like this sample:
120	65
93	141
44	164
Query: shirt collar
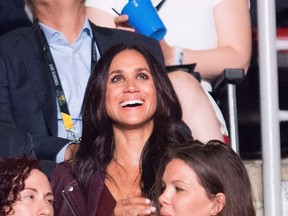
50	32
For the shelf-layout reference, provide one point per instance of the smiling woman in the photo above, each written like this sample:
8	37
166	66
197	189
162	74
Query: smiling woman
130	114
24	189
132	88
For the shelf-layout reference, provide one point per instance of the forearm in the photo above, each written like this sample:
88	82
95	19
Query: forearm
100	17
211	63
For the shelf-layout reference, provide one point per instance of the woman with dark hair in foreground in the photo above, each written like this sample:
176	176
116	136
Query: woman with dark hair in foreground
130	113
203	179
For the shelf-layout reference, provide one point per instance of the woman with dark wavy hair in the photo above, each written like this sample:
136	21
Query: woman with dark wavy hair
203	179
130	113
24	188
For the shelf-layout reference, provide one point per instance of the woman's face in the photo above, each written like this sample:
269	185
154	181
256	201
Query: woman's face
182	192
36	198
131	98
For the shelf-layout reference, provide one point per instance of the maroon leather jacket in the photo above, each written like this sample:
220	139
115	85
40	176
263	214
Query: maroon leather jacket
69	200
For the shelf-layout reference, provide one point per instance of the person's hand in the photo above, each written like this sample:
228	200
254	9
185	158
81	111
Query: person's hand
134	205
71	150
121	22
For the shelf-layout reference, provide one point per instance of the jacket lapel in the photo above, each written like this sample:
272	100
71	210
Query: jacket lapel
40	76
96	185
103	37
75	200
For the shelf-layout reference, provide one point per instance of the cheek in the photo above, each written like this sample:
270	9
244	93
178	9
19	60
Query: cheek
110	108
110	98
182	205
108	94
22	209
191	205
152	94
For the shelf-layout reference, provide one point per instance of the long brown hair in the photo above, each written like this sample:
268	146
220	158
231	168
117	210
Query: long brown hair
97	145
219	169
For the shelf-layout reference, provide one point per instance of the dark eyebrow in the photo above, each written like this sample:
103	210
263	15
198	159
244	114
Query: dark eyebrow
35	190
145	69
119	71
49	194
115	72
180	181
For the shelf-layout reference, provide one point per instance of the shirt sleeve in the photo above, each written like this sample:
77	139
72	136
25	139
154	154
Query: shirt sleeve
215	2
60	155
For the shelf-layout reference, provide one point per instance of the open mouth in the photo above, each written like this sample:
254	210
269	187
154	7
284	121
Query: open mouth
131	103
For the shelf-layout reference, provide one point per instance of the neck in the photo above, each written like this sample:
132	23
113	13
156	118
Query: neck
68	19
130	143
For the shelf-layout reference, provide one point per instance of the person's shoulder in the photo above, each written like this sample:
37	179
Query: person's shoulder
121	34
62	176
63	168
62	172
18	33
107	37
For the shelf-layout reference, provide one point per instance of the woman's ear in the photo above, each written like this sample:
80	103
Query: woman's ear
218	203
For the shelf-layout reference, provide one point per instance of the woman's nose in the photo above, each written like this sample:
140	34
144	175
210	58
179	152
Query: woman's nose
131	86
46	209
163	198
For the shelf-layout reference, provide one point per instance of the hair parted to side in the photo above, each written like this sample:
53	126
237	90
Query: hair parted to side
219	169
13	173
97	145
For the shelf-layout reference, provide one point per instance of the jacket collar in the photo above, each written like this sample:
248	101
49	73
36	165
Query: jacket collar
39	75
73	196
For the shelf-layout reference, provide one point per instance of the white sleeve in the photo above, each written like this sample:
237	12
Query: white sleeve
60	155
215	2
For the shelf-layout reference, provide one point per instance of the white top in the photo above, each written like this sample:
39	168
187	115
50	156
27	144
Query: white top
182	29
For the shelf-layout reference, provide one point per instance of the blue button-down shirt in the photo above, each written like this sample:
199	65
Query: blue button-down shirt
73	62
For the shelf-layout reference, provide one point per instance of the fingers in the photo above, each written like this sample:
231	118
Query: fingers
121	22
138	212
136	192
136	205
136	201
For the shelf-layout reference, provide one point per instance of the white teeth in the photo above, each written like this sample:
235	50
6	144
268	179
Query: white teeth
131	102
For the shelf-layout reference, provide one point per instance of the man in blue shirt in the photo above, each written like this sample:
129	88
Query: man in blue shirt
43	74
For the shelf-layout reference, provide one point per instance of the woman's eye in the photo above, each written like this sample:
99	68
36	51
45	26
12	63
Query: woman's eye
178	189
142	76
50	201
29	197
117	79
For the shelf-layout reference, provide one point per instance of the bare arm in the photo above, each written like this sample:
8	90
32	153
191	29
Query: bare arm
198	112
234	41
100	17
